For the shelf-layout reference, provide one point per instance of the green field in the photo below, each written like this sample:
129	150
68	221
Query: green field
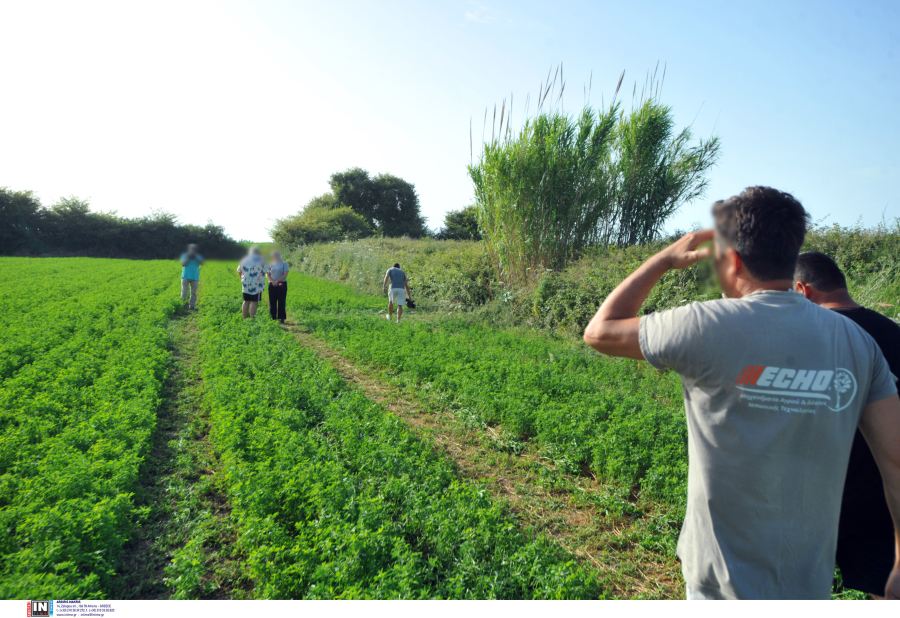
81	374
329	495
151	452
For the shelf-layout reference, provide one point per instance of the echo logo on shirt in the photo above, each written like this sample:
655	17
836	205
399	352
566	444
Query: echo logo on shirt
837	386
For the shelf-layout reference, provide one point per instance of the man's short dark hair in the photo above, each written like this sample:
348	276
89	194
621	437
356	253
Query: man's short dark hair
820	271
766	227
396	265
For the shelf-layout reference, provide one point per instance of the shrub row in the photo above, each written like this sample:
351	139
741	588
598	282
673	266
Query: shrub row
70	228
459	273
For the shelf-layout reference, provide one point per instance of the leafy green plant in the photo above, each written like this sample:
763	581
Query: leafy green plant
81	381
542	195
655	170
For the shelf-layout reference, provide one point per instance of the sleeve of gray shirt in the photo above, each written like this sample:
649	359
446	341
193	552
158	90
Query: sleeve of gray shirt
672	339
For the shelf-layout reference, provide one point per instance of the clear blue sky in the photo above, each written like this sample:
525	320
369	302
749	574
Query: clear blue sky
239	111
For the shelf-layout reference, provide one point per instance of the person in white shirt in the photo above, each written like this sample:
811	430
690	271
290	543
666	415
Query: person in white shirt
253	270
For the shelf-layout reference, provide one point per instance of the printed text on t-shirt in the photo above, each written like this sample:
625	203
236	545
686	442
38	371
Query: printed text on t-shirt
834	389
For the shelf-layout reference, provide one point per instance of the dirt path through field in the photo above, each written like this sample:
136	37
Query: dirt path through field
188	516
569	508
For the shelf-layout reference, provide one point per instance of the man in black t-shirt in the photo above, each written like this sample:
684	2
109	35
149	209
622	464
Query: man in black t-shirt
865	550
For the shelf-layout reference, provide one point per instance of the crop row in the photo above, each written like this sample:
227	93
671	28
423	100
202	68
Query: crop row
333	496
52	302
82	363
621	417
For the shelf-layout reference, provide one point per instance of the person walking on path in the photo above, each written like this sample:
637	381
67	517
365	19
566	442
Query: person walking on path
865	543
398	292
190	274
277	276
253	270
774	389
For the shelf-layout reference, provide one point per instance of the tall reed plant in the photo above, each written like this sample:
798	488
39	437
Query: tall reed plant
655	169
563	182
542	195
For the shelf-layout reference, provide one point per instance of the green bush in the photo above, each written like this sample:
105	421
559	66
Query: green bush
320	225
460	225
569	299
541	194
325	201
565	182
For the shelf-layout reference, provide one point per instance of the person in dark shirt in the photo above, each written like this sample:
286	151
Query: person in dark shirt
865	550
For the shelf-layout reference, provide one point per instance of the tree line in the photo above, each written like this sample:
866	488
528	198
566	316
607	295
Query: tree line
69	227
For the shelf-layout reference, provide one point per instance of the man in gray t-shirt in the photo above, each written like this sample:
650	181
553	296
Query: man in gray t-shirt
774	389
398	292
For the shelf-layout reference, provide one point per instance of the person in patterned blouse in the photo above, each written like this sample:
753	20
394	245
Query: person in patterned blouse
253	270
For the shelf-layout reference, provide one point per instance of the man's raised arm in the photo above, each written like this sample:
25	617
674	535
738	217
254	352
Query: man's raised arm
880	426
614	330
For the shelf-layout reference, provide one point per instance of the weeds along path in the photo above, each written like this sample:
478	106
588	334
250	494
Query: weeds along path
185	549
606	535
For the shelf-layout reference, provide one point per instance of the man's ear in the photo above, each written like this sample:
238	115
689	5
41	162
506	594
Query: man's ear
805	289
736	264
